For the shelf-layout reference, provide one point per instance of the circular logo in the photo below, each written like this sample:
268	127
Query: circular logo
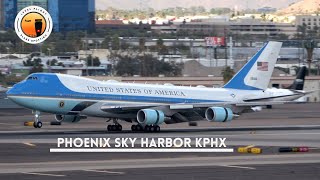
33	24
61	104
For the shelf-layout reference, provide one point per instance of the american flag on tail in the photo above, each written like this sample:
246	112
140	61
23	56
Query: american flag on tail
262	66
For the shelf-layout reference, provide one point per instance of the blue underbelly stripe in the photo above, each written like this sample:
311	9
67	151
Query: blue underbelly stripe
125	98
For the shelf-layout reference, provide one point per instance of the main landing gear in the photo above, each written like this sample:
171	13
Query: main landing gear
137	128
37	123
147	128
115	127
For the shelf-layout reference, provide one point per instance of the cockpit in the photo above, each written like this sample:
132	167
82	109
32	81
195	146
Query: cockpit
32	78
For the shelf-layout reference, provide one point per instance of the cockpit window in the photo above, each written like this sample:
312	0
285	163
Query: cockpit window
32	78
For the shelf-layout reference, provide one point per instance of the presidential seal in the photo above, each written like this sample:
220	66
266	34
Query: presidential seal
61	104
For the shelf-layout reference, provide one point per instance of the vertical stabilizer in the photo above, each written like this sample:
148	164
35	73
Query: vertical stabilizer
256	73
299	81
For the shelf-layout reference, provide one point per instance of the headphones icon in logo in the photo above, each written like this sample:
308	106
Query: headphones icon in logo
38	26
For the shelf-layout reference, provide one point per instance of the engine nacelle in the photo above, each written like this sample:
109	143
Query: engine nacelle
150	117
219	114
69	118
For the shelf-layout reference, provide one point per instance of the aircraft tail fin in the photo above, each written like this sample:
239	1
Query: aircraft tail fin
299	81
257	72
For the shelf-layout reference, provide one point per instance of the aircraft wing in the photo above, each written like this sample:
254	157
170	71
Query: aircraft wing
191	106
189	112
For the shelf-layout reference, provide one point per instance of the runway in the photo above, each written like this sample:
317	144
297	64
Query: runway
24	151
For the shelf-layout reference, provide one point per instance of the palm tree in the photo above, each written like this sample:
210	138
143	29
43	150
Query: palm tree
227	74
310	45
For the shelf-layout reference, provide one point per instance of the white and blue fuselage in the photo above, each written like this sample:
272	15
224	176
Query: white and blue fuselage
66	94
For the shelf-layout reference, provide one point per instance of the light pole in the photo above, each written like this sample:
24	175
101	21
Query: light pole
112	62
86	55
49	66
8	51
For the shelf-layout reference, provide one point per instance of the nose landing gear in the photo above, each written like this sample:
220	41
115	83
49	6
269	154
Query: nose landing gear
37	123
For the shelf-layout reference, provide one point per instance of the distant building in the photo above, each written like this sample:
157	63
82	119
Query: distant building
10	12
25	3
72	15
10	8
310	21
164	29
118	24
2	15
203	28
256	28
253	27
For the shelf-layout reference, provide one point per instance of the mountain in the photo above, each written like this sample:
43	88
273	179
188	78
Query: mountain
208	4
302	7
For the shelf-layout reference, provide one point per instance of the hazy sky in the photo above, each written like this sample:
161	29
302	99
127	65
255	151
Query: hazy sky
160	4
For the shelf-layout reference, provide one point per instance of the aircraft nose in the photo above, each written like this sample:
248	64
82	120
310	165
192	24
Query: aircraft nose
12	91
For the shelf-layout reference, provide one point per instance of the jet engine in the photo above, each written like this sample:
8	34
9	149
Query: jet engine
150	117
219	114
69	118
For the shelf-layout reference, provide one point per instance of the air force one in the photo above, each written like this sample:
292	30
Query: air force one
72	98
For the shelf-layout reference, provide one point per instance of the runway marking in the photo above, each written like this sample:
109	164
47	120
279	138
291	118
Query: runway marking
265	134
29	144
240	167
275	134
43	174
314	148
250	146
7	124
109	172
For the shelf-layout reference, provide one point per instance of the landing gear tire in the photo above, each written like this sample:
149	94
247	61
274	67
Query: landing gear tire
137	128
119	127
134	128
147	128
37	124
157	129
152	128
116	127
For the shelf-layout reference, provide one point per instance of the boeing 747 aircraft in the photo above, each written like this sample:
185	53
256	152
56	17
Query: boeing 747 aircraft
72	98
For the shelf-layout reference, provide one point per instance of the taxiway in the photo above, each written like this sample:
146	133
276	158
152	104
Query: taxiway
24	151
